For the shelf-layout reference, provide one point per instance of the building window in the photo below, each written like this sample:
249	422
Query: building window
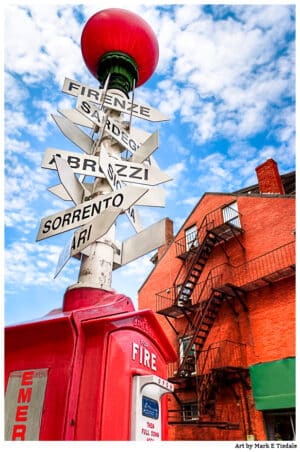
280	424
191	237
191	359
231	214
190	411
185	295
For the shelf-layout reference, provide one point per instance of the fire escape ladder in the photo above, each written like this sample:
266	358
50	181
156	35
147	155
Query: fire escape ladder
197	258
202	324
207	394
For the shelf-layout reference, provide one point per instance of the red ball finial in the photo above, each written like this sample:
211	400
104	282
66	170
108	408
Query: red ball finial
116	35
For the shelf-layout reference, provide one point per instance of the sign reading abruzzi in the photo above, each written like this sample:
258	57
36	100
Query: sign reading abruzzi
132	175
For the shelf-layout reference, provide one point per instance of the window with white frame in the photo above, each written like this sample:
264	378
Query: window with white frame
191	237
183	345
190	411
231	214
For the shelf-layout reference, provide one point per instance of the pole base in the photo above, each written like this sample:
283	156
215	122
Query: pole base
84	297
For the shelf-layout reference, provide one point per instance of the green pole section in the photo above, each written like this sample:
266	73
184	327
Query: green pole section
122	69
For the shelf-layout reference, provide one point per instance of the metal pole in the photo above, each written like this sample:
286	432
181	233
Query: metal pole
96	269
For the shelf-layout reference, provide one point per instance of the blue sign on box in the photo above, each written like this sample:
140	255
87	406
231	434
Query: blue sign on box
150	408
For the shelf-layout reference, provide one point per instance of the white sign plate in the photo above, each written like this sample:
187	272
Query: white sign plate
146	149
112	101
115	184
74	217
74	134
137	173
24	402
93	230
73	186
112	127
80	163
145	241
63	257
155	197
77	118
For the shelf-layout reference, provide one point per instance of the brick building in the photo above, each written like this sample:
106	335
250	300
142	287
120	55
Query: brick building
224	290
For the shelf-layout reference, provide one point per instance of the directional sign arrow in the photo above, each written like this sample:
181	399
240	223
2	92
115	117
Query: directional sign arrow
73	133
113	128
63	257
139	134
146	149
60	191
74	217
113	101
94	230
139	173
116	183
73	186
155	197
141	151
87	165
77	118
145	241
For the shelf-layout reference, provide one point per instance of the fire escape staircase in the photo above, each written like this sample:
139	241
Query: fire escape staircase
221	366
195	261
198	332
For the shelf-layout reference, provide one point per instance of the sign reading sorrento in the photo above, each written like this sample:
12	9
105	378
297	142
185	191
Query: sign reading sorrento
124	165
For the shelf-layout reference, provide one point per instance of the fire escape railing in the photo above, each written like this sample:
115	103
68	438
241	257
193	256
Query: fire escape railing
272	264
267	268
210	222
222	354
195	256
278	263
219	356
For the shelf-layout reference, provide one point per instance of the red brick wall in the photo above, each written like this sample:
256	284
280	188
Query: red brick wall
269	180
268	328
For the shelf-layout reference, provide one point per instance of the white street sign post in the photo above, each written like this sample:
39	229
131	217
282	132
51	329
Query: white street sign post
98	204
87	165
73	186
116	183
76	117
113	101
60	191
127	171
146	149
155	197
117	132
94	230
76	135
74	217
86	235
142	243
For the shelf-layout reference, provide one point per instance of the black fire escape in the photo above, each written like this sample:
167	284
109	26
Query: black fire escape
203	373
200	304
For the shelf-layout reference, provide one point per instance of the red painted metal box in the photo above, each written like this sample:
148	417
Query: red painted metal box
95	370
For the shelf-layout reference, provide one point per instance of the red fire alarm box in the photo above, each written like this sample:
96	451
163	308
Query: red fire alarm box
96	370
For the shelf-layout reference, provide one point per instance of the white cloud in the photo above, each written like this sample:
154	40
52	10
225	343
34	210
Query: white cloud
32	264
192	201
45	31
233	69
175	170
219	78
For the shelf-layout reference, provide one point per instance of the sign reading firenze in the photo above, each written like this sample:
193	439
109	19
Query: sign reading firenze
112	101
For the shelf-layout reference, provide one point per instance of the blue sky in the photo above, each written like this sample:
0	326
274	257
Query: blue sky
225	78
